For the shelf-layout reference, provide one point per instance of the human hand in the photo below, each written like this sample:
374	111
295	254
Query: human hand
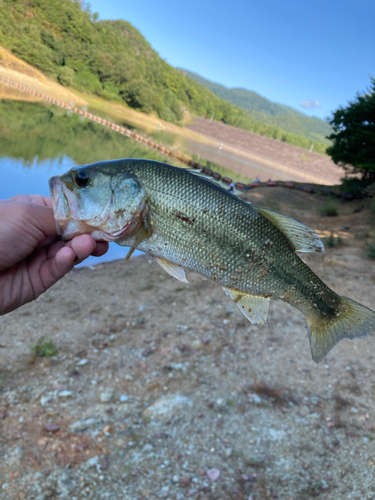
31	257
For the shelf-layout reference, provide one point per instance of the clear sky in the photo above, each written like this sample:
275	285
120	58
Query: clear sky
317	52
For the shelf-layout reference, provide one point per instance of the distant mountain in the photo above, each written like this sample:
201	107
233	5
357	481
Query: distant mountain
267	111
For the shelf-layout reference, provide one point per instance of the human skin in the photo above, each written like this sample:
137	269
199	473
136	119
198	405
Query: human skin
32	259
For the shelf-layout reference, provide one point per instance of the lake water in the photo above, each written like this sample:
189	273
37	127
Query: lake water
38	141
18	178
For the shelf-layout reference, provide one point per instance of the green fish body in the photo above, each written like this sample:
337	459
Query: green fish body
187	221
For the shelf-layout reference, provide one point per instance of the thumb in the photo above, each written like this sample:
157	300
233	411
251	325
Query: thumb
66	257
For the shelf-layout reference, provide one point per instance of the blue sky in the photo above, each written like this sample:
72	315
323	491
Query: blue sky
319	53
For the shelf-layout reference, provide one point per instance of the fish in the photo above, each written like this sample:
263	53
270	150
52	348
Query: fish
187	221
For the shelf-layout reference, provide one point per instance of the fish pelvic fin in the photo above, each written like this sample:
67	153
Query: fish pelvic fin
353	321
301	237
253	307
172	269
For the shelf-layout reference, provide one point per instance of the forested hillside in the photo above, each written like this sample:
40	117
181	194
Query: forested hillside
269	112
113	60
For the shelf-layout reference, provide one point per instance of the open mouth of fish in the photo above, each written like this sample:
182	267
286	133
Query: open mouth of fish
70	224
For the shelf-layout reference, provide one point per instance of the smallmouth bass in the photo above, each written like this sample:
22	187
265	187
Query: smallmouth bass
187	221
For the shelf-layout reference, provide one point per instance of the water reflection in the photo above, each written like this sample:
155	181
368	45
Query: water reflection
17	178
38	141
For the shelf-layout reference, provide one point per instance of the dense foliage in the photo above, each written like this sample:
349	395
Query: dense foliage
112	59
269	112
353	138
33	130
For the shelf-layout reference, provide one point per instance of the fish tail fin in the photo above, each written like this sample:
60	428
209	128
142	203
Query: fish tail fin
352	321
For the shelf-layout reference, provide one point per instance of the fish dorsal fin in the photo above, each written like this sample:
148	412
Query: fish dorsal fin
254	307
202	175
174	270
301	237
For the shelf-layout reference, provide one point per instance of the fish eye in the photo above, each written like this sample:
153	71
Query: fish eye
81	179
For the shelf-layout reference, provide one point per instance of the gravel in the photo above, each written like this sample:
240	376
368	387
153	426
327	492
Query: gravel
220	410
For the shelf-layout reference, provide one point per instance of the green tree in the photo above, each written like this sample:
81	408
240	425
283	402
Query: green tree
353	138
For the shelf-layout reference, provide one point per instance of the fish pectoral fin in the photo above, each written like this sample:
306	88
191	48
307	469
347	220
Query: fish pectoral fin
301	237
174	270
143	233
254	307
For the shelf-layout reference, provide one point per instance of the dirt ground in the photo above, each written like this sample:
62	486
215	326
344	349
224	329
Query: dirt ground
15	69
161	389
275	158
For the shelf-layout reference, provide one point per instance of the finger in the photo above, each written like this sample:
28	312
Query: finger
83	246
48	242
52	270
54	248
64	258
101	248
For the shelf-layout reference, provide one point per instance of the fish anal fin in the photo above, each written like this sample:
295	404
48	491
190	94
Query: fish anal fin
173	270
253	307
301	237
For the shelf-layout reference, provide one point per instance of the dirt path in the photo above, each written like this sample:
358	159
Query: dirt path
163	390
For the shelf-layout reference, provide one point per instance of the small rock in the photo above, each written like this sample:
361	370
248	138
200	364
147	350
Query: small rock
92	462
185	481
124	398
213	474
82	425
197	344
254	398
148	351
104	464
165	406
51	427
107	395
65	394
83	362
57	386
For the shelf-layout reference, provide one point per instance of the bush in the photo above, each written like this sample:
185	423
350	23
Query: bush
66	76
329	209
139	95
331	241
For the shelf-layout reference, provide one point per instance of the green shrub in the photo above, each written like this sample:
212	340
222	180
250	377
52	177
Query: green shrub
331	241
329	209
43	347
66	76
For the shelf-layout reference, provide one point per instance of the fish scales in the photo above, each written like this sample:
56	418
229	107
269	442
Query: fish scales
227	233
189	222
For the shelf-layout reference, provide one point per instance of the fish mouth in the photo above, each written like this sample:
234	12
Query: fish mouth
70	225
64	206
